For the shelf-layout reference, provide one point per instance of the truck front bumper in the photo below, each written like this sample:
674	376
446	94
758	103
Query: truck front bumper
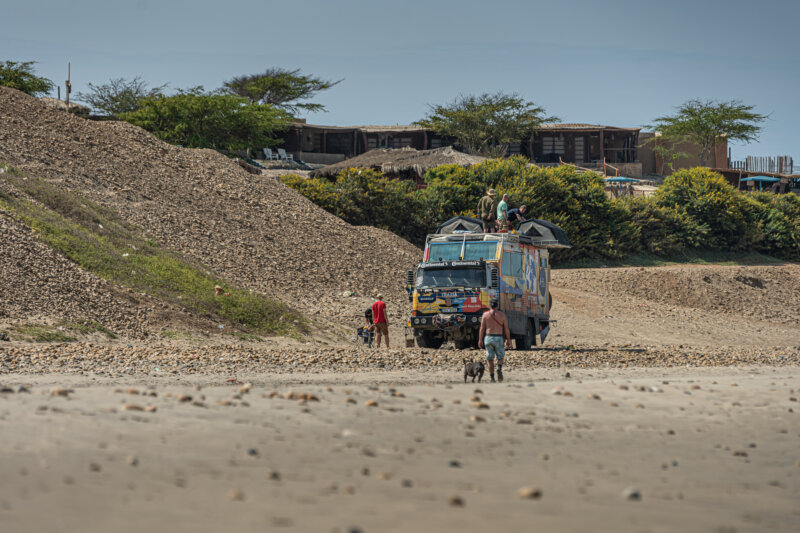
427	321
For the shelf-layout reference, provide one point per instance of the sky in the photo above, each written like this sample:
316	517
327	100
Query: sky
616	62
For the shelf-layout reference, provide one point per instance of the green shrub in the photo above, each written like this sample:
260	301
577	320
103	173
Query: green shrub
714	208
199	119
365	197
694	210
778	221
21	76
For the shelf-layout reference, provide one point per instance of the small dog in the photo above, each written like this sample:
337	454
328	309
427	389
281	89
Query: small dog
473	370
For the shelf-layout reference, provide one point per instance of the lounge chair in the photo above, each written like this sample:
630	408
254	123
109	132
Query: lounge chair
282	155
268	155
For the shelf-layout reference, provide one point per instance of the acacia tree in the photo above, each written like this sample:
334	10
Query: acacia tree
119	95
21	76
195	118
702	122
486	124
287	89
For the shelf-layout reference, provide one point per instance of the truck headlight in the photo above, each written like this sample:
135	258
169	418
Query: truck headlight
416	321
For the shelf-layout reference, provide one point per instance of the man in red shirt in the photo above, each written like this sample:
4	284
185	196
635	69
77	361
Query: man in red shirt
379	319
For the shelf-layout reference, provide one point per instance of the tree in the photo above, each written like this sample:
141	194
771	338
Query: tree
119	95
21	76
668	153
702	122
487	123
283	88
199	119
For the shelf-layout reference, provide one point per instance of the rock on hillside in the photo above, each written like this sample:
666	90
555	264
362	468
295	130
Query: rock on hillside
249	229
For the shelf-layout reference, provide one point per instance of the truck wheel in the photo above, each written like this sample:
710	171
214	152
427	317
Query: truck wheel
425	339
524	342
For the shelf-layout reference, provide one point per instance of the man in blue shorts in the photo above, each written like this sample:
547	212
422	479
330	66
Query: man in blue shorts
494	330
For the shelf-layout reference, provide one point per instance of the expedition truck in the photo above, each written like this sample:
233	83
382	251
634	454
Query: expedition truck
464	269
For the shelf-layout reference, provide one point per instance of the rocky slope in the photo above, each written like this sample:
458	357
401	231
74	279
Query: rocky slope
249	229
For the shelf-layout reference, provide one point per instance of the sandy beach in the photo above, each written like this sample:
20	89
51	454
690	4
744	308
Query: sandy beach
647	449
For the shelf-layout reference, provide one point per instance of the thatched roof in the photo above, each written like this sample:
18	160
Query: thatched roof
401	160
60	104
582	127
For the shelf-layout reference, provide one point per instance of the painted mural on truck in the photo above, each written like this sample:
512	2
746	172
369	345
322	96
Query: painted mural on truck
523	279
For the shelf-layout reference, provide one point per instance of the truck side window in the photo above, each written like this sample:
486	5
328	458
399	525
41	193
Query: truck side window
507	264
517	265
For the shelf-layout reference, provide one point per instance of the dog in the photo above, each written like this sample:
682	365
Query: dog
473	370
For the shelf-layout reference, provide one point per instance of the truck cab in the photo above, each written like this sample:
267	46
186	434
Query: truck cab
463	270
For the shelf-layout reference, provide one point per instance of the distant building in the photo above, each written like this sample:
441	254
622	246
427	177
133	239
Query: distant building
655	163
584	145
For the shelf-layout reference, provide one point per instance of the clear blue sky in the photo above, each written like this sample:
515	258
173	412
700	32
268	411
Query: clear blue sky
617	62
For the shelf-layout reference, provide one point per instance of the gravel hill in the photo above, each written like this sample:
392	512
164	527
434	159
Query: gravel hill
248	229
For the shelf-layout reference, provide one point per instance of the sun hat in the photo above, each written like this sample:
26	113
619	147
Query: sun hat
490	192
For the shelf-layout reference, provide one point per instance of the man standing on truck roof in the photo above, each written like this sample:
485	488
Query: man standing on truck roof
494	329
502	213
379	320
486	210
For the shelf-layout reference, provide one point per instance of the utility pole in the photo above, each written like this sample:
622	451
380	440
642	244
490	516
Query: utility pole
69	85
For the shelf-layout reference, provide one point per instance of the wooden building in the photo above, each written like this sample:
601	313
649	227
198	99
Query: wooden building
330	144
587	145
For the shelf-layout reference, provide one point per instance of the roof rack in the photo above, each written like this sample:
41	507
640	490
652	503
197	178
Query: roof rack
499	237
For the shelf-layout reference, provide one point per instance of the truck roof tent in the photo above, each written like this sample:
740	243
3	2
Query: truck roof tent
461	224
544	232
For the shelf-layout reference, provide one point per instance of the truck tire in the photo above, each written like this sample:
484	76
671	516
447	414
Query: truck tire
425	339
524	342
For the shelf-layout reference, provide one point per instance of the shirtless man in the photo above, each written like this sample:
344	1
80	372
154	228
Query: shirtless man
494	328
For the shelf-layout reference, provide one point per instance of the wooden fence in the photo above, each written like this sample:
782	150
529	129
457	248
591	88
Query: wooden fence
781	164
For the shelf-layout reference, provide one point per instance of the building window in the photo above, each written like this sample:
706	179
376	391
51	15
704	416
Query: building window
553	145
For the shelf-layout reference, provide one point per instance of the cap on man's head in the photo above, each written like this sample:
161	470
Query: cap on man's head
379	297
490	192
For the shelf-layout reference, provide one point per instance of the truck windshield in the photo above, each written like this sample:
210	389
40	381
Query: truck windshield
451	251
452	277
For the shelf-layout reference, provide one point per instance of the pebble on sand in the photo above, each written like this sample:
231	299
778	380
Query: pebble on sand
236	496
132	407
632	494
456	501
60	392
529	493
371	403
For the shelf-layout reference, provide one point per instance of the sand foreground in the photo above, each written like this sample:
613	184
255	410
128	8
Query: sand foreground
649	449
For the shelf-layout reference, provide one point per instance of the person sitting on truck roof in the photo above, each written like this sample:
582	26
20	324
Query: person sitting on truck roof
494	328
502	214
487	210
515	215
